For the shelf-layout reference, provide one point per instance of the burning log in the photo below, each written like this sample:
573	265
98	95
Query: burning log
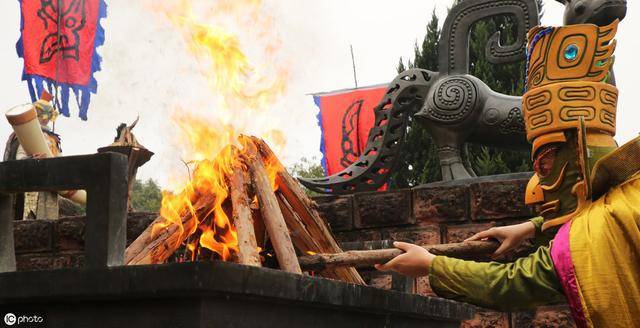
315	228
281	212
272	216
243	219
299	233
371	257
151	249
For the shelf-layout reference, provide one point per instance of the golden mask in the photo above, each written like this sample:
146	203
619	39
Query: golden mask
569	112
581	52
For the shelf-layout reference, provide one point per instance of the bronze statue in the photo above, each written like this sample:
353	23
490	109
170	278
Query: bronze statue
452	105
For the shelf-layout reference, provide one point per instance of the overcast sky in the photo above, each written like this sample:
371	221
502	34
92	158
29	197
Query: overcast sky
148	71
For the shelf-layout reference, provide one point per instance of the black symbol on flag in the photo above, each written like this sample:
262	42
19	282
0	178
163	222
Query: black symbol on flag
68	18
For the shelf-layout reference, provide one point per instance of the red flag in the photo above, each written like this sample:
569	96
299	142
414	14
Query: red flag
58	43
345	119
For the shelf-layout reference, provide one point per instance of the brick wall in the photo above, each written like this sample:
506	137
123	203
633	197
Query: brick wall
430	214
440	213
52	244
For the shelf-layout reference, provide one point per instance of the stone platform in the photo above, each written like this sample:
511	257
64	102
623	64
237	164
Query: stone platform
214	295
47	251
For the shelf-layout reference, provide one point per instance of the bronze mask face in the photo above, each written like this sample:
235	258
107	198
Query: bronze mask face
557	173
561	185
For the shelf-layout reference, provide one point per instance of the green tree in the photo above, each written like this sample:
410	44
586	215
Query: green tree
146	196
419	161
307	168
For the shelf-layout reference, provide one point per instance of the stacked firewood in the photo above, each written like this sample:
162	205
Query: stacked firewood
290	219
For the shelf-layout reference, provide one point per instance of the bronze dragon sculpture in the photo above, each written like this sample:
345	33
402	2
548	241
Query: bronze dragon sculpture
452	105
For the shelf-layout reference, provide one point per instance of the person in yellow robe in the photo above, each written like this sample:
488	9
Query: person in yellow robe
585	188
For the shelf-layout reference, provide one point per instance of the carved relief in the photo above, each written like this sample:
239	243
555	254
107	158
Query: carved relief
452	100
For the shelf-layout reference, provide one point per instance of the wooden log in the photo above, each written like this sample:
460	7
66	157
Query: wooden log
148	249
370	257
299	234
305	208
242	219
271	214
297	230
259	228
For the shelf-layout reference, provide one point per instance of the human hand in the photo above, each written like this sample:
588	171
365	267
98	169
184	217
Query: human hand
415	262
510	237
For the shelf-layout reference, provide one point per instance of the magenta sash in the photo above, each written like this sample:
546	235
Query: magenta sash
561	257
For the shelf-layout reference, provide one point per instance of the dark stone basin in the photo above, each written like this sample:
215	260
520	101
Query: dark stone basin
213	295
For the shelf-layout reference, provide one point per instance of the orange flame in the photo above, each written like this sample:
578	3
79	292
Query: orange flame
241	82
247	88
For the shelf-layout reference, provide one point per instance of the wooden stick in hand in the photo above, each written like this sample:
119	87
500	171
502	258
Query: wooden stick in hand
378	256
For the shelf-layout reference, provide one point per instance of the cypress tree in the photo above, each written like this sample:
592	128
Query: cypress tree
419	161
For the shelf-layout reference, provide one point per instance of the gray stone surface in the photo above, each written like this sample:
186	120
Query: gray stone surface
215	295
103	176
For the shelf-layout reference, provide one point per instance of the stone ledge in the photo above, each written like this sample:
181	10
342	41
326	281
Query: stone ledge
137	285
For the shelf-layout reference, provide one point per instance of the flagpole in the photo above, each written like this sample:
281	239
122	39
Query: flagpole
353	62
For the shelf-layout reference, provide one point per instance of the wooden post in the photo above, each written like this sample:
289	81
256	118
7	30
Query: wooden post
242	219
273	219
378	256
137	156
304	207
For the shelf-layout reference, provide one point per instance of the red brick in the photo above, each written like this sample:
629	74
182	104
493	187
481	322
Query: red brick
459	233
504	199
425	235
441	204
551	317
380	209
32	262
337	210
358	235
423	288
70	233
137	222
544	317
487	319
380	280
33	236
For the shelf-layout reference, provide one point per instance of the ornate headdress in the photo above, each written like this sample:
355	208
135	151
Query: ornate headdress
569	111
44	108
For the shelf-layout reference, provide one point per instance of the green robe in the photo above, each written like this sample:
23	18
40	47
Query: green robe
528	282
